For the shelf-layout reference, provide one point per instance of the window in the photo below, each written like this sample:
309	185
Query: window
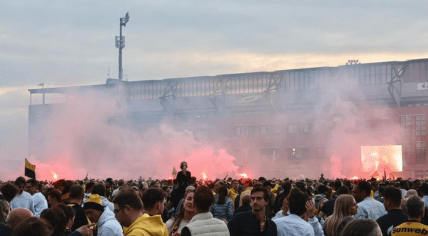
305	128
292	128
291	153
420	126
271	153
264	130
238	131
251	129
406	123
276	129
421	152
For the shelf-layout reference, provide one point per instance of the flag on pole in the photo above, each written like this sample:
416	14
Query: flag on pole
174	171
30	170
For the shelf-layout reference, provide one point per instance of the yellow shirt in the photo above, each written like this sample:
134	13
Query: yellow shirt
410	228
232	195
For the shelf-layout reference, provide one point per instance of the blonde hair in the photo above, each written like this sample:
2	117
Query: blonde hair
4	210
342	210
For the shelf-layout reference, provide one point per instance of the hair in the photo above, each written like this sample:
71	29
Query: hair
182	164
99	189
180	215
297	202
286	188
56	218
20	180
342	207
56	194
68	211
337	184
203	199
360	227
403	184
4	211
322	189
343	190
9	191
151	197
33	182
364	186
415	207
76	192
33	227
127	196
121	182
222	192
260	189
393	195
90	185
246	199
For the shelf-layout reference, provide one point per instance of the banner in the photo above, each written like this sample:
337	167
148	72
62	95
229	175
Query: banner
30	170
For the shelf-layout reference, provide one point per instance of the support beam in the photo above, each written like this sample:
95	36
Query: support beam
218	97
170	92
394	86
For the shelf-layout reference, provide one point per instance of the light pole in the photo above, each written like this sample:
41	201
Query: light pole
120	43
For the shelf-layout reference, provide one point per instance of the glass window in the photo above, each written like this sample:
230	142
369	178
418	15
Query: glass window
238	131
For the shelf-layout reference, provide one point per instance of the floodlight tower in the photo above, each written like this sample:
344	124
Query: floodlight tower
120	43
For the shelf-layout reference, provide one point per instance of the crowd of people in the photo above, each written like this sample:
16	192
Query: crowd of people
186	206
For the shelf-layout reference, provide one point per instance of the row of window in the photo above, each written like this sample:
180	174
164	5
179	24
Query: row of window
250	130
420	124
275	153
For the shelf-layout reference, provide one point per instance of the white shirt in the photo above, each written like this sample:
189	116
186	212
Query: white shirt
293	225
40	203
23	200
403	193
370	209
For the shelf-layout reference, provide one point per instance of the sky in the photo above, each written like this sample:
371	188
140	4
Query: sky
67	43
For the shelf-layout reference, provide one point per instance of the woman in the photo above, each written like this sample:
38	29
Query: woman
176	224
4	211
344	209
222	208
69	214
184	175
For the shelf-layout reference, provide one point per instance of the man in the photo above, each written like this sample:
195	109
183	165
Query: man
102	216
403	187
153	201
22	199
301	221
328	208
395	216
203	222
39	199
128	210
366	227
254	222
416	209
246	190
14	218
368	207
271	200
234	190
76	198
246	201
100	189
54	197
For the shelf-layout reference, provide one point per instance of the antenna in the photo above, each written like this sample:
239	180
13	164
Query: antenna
120	42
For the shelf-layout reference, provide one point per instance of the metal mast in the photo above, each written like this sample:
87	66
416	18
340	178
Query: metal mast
120	43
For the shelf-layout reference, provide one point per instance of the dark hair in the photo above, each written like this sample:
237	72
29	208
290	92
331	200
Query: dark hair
33	182
203	199
322	189
415	207
76	192
337	184
33	227
9	191
68	211
20	180
297	202
424	188
342	190
121	182
151	197
127	196
99	189
56	218
260	189
182	164
364	186
360	227
286	188
381	189
403	184
222	192
301	185
246	199
56	194
90	185
393	195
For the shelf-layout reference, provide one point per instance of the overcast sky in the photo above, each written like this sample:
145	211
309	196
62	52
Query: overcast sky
65	43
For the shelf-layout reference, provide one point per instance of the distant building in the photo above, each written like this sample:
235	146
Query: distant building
281	119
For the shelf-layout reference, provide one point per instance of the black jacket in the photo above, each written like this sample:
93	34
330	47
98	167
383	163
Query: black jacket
246	224
392	219
245	207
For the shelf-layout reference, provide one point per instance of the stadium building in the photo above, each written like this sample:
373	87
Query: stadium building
271	116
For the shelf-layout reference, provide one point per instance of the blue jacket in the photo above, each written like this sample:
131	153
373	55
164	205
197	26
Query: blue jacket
224	211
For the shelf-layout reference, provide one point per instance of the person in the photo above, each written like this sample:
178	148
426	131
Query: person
56	218
360	227
301	220
184	175
188	189
413	226
15	217
54	197
9	191
153	202
328	208
76	198
345	207
368	207
4	210
100	189
185	214
246	201
40	202
271	202
203	222
222	208
33	227
286	188
396	216
234	190
247	186
254	222
102	216
70	214
128	210
404	185
22	198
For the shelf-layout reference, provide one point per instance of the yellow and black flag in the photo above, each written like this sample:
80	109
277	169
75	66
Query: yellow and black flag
30	170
